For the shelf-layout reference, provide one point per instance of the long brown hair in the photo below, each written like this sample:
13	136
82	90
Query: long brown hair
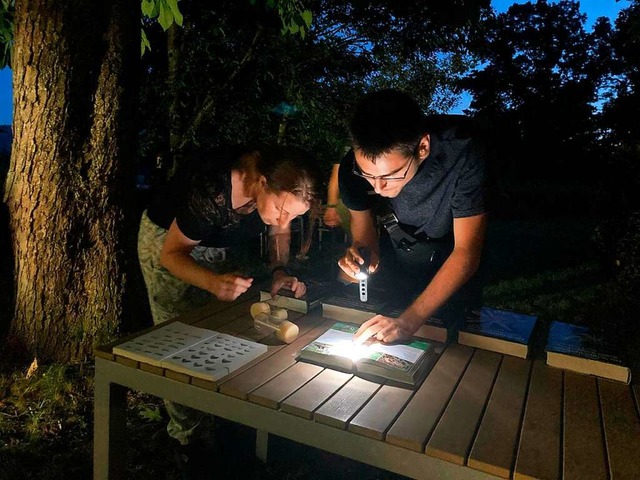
292	170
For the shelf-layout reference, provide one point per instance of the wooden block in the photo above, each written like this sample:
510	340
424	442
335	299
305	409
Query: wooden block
495	444
273	392
103	352
206	384
247	381
621	429
376	416
308	398
539	450
180	377
583	445
418	419
126	361
145	367
454	434
343	406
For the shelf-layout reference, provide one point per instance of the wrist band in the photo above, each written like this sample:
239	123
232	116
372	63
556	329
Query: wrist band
280	267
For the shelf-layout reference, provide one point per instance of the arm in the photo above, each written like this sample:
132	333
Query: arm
331	217
279	246
175	257
364	234
459	267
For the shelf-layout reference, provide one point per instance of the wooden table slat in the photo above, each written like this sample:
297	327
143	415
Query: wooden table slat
348	401
502	420
276	390
308	399
621	428
416	422
455	432
231	321
539	449
217	308
583	443
248	380
379	412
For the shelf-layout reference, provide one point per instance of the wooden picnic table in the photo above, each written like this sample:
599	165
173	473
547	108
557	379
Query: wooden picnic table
477	415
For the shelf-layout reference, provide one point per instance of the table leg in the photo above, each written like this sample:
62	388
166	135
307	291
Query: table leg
262	443
108	427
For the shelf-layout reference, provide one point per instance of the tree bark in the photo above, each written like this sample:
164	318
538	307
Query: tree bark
70	185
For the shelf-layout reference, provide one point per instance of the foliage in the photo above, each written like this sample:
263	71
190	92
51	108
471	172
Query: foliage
232	77
542	74
7	8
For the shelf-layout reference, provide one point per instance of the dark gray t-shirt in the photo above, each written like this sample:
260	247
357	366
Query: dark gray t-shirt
448	184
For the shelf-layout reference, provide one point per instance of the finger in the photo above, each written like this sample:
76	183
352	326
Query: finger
293	283
243	282
367	330
301	290
275	286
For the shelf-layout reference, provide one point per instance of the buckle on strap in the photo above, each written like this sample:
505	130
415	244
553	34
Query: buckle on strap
399	237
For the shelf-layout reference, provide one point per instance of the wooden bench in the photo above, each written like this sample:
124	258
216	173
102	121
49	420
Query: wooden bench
477	415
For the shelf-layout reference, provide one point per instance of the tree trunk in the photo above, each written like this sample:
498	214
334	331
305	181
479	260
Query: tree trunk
70	186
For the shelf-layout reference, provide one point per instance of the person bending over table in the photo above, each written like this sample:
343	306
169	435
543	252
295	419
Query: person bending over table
422	177
222	200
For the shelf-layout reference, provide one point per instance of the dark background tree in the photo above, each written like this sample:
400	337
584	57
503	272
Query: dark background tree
538	86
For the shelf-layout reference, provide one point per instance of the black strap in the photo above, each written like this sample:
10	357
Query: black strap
401	239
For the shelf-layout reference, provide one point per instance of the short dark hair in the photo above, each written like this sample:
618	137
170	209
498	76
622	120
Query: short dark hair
387	120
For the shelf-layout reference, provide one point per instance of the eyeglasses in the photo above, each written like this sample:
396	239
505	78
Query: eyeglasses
390	177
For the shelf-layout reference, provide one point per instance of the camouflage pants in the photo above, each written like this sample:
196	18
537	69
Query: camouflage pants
169	297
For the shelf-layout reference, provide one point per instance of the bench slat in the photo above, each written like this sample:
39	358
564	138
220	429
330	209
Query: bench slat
308	398
240	385
495	445
539	449
216	307
275	391
621	428
583	445
343	406
379	412
454	434
416	422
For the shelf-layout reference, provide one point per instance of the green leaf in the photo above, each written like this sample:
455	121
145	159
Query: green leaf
144	42
307	16
148	7
173	5
165	18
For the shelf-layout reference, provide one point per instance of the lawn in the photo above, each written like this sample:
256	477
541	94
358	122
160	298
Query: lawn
546	268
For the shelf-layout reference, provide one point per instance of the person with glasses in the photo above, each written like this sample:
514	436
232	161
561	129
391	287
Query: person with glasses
221	199
414	188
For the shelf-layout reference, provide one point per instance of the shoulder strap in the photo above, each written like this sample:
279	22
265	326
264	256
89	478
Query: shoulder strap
387	218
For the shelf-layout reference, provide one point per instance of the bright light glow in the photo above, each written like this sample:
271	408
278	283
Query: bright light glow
351	350
361	275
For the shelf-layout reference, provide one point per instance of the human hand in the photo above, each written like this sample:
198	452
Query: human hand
284	280
229	286
331	218
350	263
386	329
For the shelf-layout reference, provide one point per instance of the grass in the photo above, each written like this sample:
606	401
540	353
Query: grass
543	268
